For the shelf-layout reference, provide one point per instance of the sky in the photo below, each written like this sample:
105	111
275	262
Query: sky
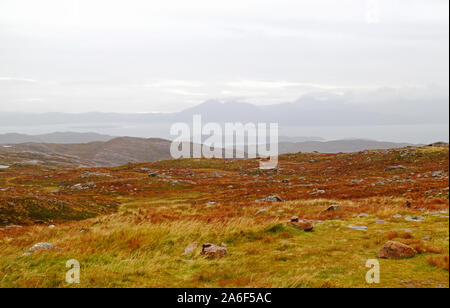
166	56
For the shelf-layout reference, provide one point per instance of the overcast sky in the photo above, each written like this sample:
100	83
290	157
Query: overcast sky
164	56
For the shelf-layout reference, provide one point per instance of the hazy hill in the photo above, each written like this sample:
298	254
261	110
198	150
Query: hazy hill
115	152
337	146
58	137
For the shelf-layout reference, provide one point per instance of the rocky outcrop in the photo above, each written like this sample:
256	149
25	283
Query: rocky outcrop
301	224
396	250
213	251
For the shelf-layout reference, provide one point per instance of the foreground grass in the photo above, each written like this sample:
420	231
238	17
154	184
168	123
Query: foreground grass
131	249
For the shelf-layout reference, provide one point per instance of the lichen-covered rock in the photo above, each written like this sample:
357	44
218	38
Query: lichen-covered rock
396	250
213	251
301	224
273	198
40	247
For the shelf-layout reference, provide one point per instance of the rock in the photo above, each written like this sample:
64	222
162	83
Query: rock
301	224
358	228
213	251
396	250
286	181
414	218
190	248
273	198
363	215
153	174
52	227
395	168
40	247
294	219
437	174
261	211
397	216
211	204
332	208
380	222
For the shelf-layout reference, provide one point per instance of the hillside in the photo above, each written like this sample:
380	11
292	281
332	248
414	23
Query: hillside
123	150
115	152
129	229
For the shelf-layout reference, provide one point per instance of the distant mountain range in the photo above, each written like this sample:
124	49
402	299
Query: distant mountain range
306	111
60	138
122	150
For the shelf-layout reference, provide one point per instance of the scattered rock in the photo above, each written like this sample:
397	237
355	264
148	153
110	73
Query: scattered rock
190	248
396	250
153	174
301	224
362	215
213	251
414	218
437	174
395	168
40	247
273	198
397	216
261	211
332	208
211	204
358	228
286	181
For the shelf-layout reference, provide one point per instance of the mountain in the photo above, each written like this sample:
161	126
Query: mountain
58	137
309	110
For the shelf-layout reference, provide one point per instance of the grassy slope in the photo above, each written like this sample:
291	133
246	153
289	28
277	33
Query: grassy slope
142	242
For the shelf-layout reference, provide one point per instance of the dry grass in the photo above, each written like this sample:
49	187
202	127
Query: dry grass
140	240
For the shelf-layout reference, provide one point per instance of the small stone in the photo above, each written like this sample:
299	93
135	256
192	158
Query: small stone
358	228
153	174
213	251
302	224
397	216
52	227
395	168
261	211
190	248
332	208
362	215
273	198
396	250
40	247
414	218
